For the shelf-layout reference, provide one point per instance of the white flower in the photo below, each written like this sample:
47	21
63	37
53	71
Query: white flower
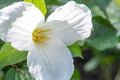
24	26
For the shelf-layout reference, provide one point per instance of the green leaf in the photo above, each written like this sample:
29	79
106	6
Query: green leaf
40	4
10	75
9	55
75	50
103	36
76	75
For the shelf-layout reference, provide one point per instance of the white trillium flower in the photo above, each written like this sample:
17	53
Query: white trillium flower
24	26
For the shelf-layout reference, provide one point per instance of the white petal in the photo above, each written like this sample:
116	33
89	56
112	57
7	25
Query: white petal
17	22
17	14
61	30
50	61
77	15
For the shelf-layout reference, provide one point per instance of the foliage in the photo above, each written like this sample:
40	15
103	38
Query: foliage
104	42
9	55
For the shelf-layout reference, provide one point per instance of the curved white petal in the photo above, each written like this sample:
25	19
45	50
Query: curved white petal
78	17
17	22
50	61
61	30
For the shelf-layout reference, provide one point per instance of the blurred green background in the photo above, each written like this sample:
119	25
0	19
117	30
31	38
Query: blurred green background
96	58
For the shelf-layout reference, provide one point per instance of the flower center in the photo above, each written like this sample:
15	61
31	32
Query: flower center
38	35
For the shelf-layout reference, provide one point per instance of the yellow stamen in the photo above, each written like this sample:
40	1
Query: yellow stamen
38	35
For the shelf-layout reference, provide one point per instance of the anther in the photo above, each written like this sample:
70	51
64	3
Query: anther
38	35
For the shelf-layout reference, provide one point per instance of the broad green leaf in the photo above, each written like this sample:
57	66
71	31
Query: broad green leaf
39	4
76	75
75	50
9	55
10	75
103	36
